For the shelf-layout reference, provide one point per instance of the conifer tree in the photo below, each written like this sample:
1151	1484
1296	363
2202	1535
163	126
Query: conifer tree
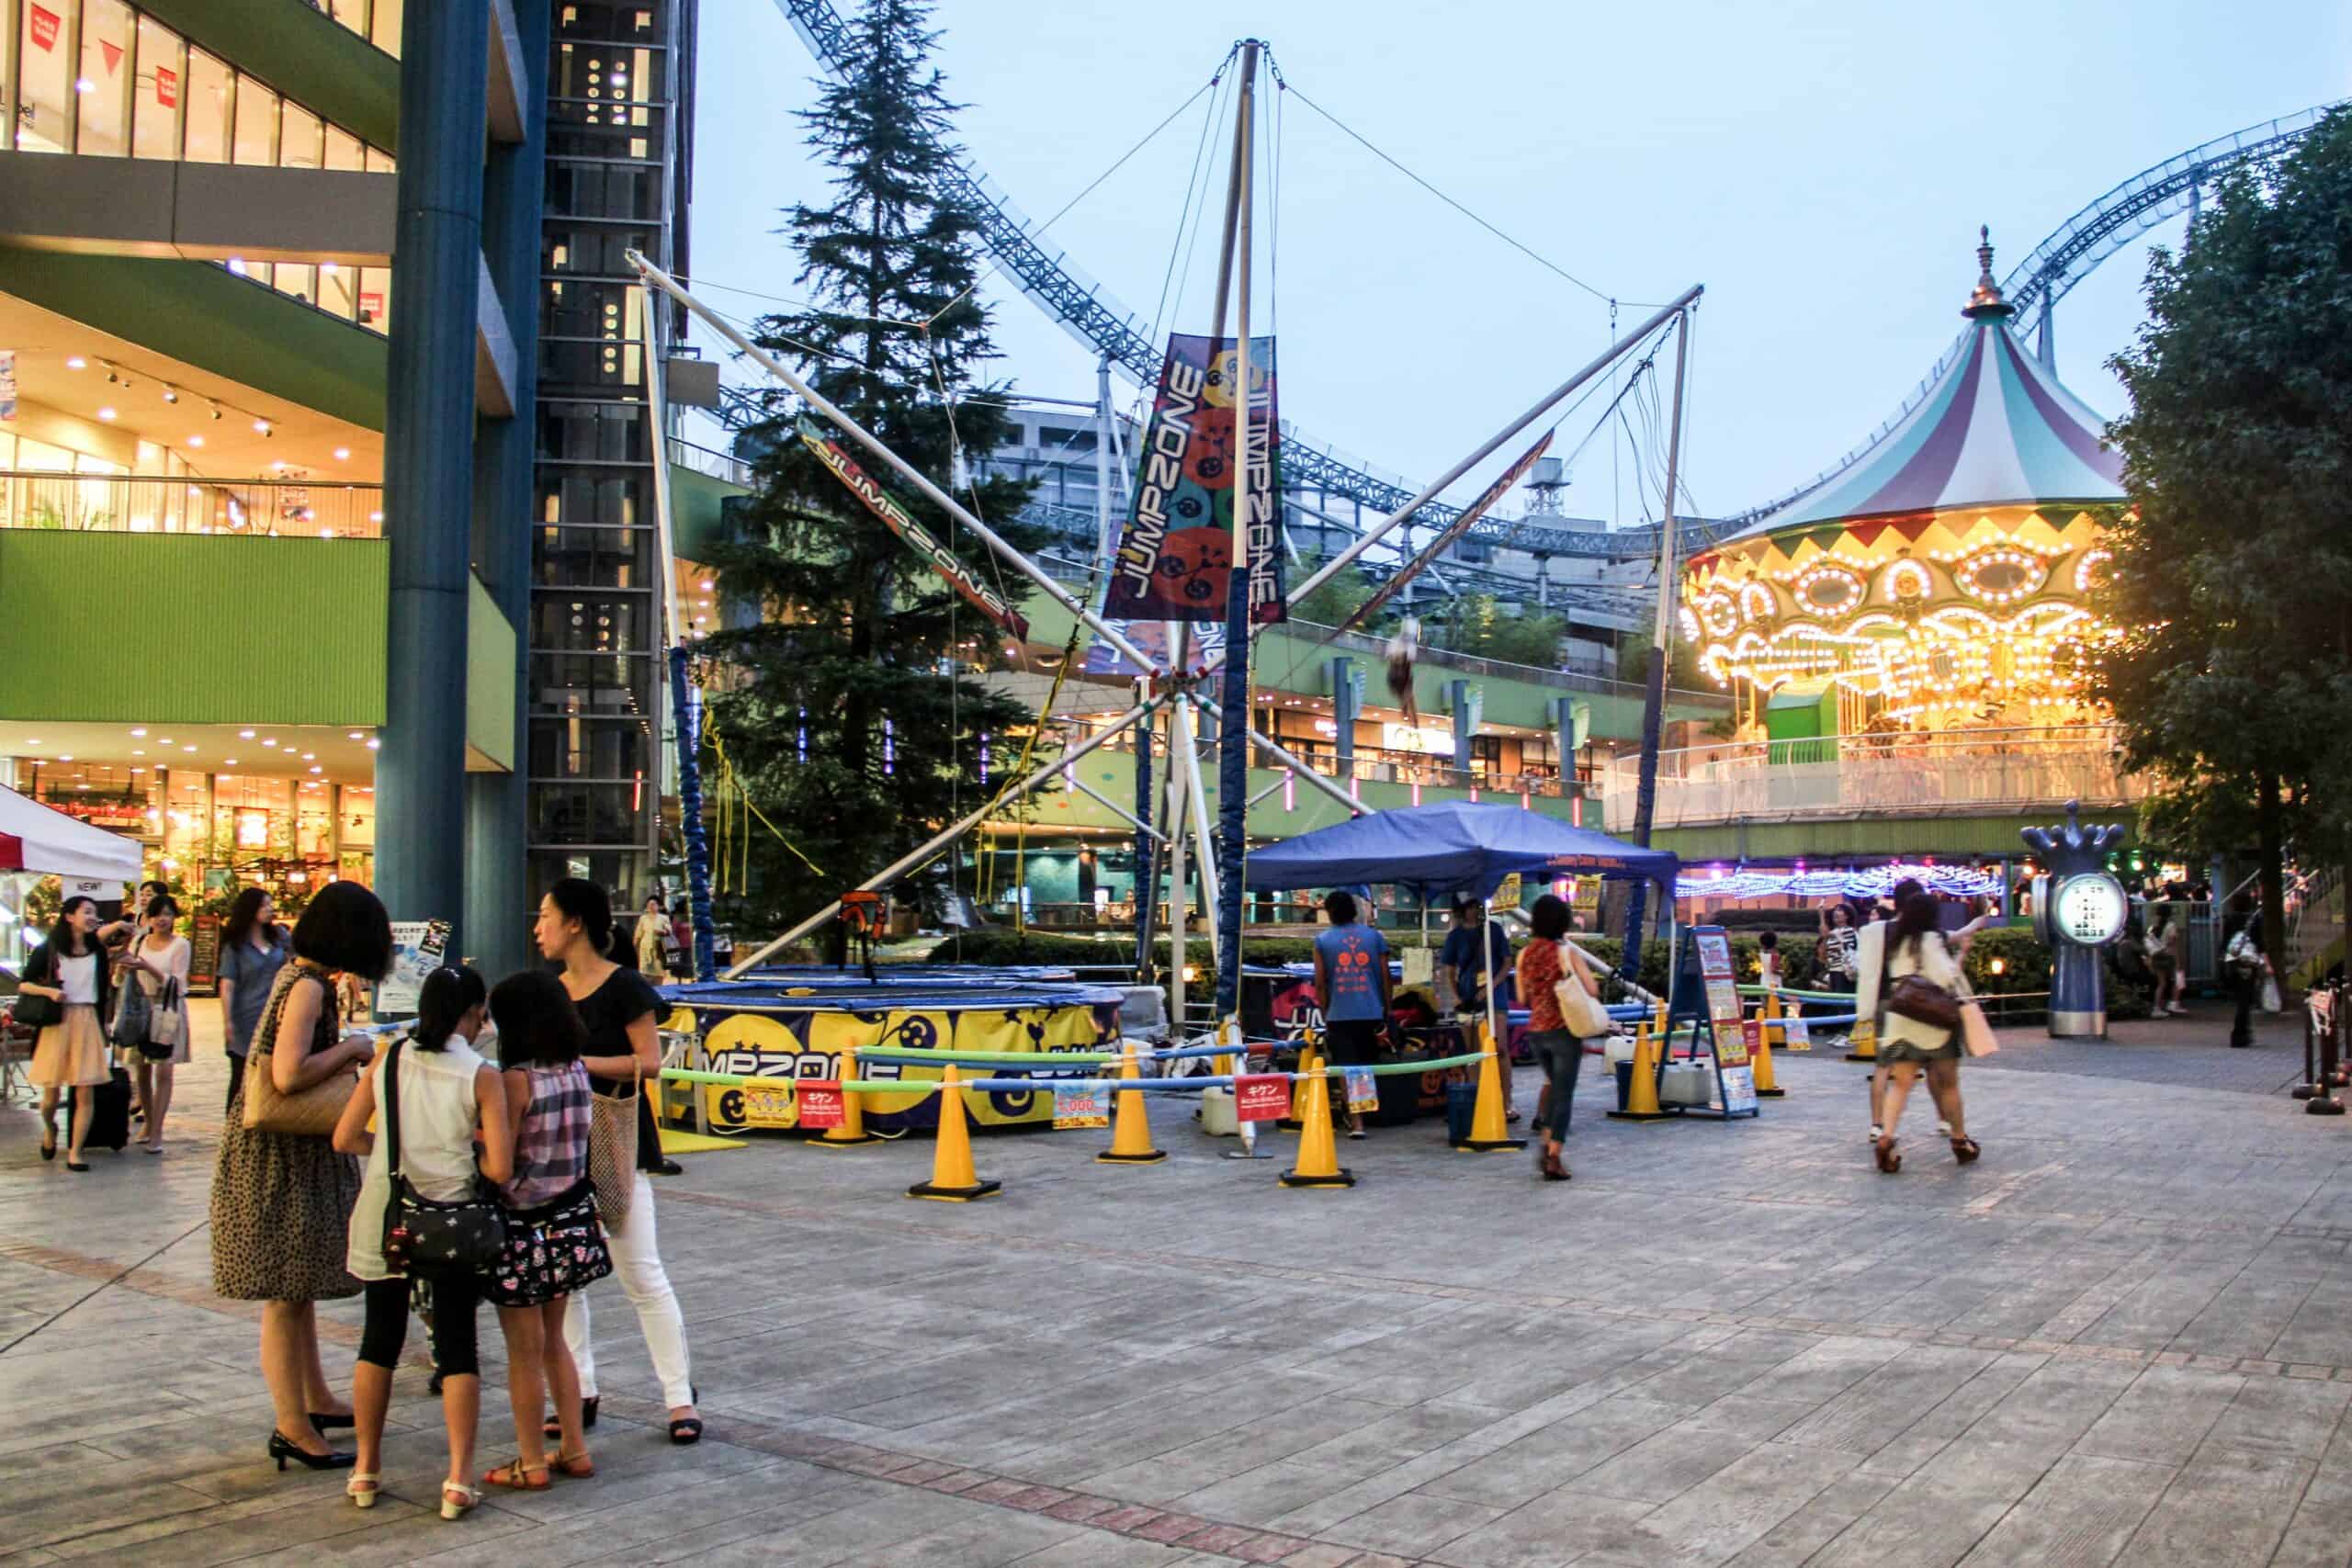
844	698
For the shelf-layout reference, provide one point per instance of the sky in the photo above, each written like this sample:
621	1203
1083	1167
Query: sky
1821	166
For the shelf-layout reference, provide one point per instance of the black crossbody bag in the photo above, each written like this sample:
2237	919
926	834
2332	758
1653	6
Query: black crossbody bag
462	1236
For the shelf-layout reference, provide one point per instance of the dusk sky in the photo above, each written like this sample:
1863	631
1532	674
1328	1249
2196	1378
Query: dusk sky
1820	165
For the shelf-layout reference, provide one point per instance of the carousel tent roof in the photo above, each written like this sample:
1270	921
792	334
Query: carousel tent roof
1994	429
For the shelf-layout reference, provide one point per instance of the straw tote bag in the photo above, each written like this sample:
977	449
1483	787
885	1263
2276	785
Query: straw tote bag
308	1113
1580	1009
612	1147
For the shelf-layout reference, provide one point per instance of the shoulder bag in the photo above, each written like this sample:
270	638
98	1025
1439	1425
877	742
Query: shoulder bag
311	1113
1580	1009
133	1011
464	1236
612	1147
1916	997
35	1011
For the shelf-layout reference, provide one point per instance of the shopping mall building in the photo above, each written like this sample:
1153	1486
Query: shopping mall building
326	539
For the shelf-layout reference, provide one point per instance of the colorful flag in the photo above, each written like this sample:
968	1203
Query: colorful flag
1455	530
894	517
1176	555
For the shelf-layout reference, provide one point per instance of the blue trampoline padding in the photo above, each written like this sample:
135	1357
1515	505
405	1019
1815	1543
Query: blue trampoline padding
761	996
952	973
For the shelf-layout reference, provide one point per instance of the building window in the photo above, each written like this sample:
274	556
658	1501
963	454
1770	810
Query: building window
160	89
298	139
102	88
211	109
45	80
257	123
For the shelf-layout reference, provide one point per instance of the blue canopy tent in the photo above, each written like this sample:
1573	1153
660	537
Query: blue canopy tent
1454	847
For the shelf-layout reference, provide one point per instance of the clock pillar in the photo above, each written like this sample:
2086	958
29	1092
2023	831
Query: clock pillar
2078	908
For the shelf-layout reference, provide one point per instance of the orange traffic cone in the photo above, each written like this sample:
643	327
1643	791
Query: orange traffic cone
1767	1084
952	1180
851	1132
1318	1151
1489	1127
1131	1124
1641	1093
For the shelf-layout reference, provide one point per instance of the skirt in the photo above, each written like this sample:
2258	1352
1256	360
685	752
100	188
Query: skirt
555	1249
281	1213
72	1053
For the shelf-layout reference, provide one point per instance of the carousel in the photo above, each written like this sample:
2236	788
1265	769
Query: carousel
1940	579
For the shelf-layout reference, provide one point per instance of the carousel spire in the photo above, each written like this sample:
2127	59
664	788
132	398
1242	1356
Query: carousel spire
1986	300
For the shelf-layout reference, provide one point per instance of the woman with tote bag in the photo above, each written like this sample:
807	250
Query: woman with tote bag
157	963
1921	995
1552	977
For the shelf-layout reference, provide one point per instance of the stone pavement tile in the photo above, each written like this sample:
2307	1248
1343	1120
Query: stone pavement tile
1795	1539
1557	1454
2050	1410
1750	1416
2291	1417
794	1538
1826	1368
318	1522
1262	1496
82	1514
1936	1515
1721	1517
2225	1506
1401	1435
2163	1416
1889	1399
1664	1466
1555	1527
1414	1525
2247	1317
1317	1515
1092	1549
2078	1515
2320	1534
988	1537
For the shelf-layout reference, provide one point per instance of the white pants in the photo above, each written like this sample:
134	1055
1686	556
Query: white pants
637	1258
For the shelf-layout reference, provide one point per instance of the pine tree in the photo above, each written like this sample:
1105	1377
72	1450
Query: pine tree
844	709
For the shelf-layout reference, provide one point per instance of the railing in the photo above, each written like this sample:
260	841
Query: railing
717	464
1900	774
1375	765
115	503
2315	923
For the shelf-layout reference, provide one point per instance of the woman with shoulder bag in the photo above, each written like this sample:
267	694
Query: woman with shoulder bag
1921	991
440	1093
253	950
622	1015
555	1244
71	988
281	1194
1550	971
157	963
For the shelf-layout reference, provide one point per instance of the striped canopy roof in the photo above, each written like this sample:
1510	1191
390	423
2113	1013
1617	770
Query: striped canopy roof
1994	429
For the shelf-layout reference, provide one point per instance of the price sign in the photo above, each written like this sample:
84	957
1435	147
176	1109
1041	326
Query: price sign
1796	1035
1740	1089
1363	1089
1261	1096
1731	1041
821	1102
1079	1107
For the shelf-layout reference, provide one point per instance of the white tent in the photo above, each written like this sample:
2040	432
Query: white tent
35	838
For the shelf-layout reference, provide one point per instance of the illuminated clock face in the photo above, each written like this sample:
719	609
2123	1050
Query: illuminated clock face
2091	909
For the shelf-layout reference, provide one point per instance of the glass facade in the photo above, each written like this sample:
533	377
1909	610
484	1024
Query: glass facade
596	677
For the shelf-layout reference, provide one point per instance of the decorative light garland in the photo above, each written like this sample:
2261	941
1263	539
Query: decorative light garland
2031	569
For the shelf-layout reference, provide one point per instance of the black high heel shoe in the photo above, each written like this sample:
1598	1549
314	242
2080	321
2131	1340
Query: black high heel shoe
324	1421
281	1449
48	1134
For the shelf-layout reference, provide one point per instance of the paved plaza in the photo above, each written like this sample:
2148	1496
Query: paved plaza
2124	1336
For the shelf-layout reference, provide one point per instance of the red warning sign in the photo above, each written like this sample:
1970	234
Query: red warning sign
821	1102
1261	1096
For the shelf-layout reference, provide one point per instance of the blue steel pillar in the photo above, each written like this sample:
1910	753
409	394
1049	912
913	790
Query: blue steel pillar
497	913
1467	702
429	462
1347	707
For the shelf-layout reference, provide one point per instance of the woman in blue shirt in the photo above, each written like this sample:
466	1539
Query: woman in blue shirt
253	950
1352	983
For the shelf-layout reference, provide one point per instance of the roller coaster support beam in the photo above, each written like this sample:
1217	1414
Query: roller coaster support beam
1551	399
923	853
1661	659
1348	803
904	470
1233	712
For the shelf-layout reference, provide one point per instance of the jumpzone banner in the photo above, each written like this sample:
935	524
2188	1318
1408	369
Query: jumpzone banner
894	517
1176	556
1455	530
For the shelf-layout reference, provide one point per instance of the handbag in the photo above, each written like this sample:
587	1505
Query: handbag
168	1018
133	1009
1976	1035
311	1113
612	1147
1916	997
1580	1009
33	1012
458	1235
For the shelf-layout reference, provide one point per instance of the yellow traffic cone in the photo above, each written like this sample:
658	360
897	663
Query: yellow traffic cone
1490	1132
1641	1094
1310	1047
1318	1150
1131	1124
952	1180
1766	1085
852	1130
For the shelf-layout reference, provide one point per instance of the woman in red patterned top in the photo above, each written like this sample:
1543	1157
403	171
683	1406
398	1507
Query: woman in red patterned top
1542	965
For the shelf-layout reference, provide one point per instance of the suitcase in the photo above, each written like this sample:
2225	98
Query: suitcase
109	1114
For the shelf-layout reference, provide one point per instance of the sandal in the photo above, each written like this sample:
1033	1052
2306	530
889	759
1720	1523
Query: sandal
579	1467
1888	1160
1553	1169
1965	1150
458	1501
515	1476
362	1488
554	1428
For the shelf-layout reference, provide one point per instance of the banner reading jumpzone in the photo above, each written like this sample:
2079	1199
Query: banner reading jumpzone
1176	556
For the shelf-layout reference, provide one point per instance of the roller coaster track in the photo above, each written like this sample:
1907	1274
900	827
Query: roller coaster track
1091	314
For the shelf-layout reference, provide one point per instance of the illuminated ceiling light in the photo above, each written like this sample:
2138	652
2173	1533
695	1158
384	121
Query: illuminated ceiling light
141	733
358	735
261	427
66	757
187	747
310	756
83	84
170	394
245	735
163	740
269	742
105	413
342	453
375	517
216	410
237	265
228	762
75	362
314	770
196	440
139	755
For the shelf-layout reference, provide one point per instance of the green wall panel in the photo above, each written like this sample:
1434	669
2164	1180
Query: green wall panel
489	677
313	59
281	631
203	315
696	502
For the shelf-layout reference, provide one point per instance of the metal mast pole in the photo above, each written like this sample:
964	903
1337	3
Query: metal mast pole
1233	724
1107	542
1661	654
1180	745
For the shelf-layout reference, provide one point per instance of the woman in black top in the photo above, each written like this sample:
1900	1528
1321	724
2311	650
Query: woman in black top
622	1012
